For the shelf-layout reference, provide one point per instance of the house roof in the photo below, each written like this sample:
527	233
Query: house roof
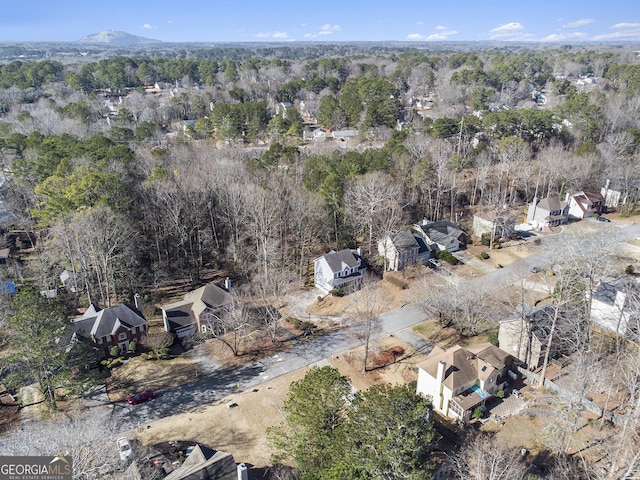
97	323
464	366
217	464
551	204
183	313
403	240
340	260
443	232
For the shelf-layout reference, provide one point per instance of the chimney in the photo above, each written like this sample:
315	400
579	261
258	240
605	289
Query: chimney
137	301
442	367
227	284
359	251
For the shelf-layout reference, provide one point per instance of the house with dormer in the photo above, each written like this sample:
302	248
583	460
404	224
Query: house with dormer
459	380
113	326
399	249
343	269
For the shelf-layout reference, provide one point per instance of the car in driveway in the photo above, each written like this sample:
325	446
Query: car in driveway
535	269
434	263
140	397
124	447
603	219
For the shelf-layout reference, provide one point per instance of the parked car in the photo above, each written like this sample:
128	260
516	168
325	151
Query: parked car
603	219
535	269
434	263
141	397
124	447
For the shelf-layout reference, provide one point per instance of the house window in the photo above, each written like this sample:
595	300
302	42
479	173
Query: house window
204	328
122	336
108	339
99	341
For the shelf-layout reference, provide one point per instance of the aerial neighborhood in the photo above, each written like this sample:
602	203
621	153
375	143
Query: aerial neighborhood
321	261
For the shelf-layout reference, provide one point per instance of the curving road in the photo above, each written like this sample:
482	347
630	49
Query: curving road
219	382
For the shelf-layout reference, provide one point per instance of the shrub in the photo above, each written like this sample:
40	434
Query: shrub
485	239
629	270
493	339
483	256
477	412
133	345
397	282
163	353
337	292
495	246
500	393
445	256
114	351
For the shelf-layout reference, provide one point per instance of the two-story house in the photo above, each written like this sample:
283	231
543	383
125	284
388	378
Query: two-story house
399	250
113	326
342	269
441	235
198	309
585	204
548	212
459	380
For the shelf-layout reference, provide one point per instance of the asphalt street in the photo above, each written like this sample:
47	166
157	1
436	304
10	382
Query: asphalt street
221	382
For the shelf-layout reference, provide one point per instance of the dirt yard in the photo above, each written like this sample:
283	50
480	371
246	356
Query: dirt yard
241	429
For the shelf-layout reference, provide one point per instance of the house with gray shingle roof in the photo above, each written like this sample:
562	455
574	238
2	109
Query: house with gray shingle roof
458	380
113	326
399	250
188	316
342	269
548	212
441	235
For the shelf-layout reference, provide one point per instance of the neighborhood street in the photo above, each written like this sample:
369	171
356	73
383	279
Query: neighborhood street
219	382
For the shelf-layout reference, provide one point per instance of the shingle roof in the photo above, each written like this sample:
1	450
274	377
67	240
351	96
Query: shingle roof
108	321
341	259
551	204
403	240
184	312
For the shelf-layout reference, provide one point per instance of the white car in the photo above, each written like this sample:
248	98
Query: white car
124	447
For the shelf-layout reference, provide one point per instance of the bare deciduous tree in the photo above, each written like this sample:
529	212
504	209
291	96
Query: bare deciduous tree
484	457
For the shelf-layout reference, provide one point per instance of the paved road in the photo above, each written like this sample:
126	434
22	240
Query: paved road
222	382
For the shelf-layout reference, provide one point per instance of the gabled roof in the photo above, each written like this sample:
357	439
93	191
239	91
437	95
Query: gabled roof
97	323
403	240
184	312
465	366
204	460
340	260
443	232
551	204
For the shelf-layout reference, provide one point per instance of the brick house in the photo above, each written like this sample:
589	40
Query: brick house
113	326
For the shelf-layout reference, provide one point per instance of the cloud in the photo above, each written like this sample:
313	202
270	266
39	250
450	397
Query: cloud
419	23
440	27
147	26
415	36
278	35
328	29
579	23
560	37
624	31
513	31
443	33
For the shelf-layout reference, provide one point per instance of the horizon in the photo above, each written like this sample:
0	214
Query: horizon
356	21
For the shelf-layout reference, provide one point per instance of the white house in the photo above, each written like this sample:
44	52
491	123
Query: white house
610	306
548	212
459	380
341	269
585	204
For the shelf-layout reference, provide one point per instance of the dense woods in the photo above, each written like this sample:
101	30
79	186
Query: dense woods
132	169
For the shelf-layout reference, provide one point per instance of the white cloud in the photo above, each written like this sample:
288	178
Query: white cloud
415	36
279	35
310	35
419	23
328	29
510	32
436	37
560	37
625	25
579	23
624	31
440	27
147	26
443	34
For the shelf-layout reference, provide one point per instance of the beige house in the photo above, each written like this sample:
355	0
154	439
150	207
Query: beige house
496	223
585	204
399	250
548	212
459	380
525	334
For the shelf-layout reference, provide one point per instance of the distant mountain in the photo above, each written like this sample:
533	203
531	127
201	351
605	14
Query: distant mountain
117	37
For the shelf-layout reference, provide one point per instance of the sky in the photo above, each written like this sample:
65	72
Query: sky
566	21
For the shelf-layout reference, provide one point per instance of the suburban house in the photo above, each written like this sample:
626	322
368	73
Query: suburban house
204	462
491	222
189	316
525	334
459	380
610	306
548	212
344	134
585	204
341	269
113	326
399	250
441	235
